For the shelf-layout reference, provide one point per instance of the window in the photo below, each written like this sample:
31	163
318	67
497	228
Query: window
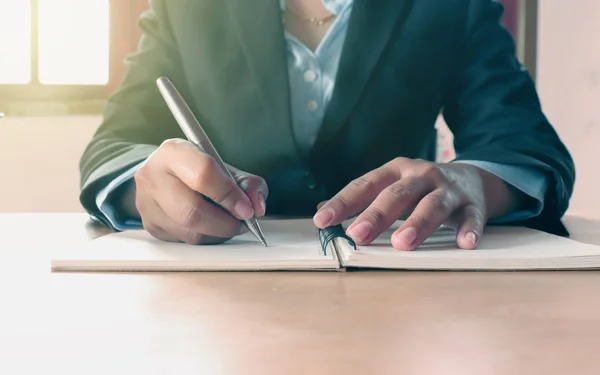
65	49
15	37
73	42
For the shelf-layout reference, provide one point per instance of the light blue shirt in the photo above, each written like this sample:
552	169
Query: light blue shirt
312	79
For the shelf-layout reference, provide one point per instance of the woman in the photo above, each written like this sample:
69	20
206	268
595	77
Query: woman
328	100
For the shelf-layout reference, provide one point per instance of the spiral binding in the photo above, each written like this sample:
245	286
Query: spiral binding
329	233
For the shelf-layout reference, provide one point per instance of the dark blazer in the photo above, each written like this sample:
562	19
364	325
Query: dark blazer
403	63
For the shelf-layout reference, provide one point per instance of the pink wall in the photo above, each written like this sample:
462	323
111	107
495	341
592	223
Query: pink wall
39	159
568	77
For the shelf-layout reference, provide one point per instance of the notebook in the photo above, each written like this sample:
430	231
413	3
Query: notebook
296	244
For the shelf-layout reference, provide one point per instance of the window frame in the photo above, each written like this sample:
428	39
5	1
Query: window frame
123	36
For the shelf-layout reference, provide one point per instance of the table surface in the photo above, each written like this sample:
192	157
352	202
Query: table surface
287	322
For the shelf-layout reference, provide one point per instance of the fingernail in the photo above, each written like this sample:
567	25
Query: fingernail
472	238
243	210
324	217
263	203
361	231
408	235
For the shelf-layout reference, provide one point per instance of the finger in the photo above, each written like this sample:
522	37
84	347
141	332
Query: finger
201	173
471	222
321	205
172	232
151	213
190	236
190	211
355	197
406	214
255	189
161	226
433	210
387	208
159	233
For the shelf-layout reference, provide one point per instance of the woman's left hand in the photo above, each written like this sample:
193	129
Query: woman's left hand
457	194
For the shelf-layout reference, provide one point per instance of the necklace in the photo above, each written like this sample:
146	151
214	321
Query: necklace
314	20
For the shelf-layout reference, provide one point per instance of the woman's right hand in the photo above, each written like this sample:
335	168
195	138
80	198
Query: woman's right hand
171	188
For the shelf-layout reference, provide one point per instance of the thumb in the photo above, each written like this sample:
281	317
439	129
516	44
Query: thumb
255	188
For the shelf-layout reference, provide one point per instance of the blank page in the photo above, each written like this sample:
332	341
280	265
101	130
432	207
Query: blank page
292	244
499	248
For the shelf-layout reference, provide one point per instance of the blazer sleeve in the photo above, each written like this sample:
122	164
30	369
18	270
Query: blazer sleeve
494	112
135	120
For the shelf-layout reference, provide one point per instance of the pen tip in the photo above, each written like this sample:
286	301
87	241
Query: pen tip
255	229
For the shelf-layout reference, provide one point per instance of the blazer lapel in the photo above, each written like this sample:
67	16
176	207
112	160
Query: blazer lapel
259	28
371	26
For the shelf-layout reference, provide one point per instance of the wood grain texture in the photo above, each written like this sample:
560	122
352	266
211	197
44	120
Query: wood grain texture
286	323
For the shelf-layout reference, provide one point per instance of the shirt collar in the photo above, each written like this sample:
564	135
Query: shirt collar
333	6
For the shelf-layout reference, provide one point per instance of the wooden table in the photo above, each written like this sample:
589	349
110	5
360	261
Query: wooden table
287	323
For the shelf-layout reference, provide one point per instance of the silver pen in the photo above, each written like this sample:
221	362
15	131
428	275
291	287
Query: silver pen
196	135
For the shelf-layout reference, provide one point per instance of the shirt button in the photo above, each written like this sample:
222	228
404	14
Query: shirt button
310	76
312	106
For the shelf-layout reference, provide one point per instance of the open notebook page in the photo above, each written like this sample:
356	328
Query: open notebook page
293	244
500	248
